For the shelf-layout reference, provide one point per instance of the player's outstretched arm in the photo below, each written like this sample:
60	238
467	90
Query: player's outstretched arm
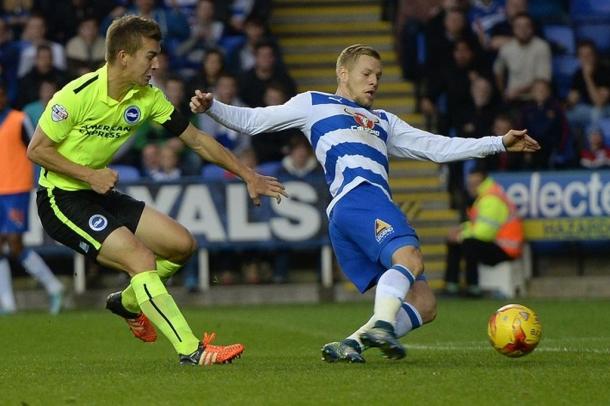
247	120
519	141
43	151
210	150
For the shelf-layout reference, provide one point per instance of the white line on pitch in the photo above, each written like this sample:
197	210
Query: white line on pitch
487	347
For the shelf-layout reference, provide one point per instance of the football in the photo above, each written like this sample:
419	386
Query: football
514	330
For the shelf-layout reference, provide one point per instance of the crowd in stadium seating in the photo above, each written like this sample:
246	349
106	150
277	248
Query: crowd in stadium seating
480	67
224	47
487	65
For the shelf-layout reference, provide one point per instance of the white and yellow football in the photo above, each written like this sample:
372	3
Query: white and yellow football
514	330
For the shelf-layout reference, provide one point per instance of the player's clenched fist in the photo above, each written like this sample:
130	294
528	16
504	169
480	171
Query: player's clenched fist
103	180
200	102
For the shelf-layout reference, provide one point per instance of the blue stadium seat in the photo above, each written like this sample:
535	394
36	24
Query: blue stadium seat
562	37
598	32
127	173
590	9
564	68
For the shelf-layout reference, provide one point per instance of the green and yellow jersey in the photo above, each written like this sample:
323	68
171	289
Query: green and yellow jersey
89	126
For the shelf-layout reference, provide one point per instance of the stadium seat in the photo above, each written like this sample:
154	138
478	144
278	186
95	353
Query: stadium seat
590	9
564	68
127	173
598	32
561	38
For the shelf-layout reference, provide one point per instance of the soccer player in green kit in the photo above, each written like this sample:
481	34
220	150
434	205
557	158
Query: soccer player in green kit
82	127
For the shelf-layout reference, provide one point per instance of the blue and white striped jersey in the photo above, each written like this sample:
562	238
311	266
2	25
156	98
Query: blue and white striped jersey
352	143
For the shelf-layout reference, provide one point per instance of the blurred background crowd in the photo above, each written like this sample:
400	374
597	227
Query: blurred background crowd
479	67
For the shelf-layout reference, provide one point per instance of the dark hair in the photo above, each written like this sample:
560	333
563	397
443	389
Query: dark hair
480	167
226	75
586	43
126	33
43	47
524	14
265	44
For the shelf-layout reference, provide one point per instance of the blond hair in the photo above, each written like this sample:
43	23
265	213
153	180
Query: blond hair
126	33
348	57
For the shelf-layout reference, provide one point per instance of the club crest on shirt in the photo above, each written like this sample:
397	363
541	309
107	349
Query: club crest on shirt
58	112
382	229
132	115
363	122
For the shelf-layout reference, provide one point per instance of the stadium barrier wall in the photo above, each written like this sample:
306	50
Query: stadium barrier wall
222	217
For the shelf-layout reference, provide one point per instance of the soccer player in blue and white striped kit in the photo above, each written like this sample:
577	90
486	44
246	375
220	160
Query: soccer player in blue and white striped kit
372	239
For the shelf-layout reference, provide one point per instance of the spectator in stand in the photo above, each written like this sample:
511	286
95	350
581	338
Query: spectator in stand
411	19
266	70
483	16
479	122
32	38
168	165
588	98
87	50
206	33
174	25
34	109
272	146
240	10
212	67
63	16
151	160
502	32
521	61
43	70
440	45
596	154
226	92
454	81
299	164
9	61
16	14
161	74
546	122
500	123
256	32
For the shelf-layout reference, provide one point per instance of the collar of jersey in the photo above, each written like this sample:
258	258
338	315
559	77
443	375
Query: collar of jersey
103	77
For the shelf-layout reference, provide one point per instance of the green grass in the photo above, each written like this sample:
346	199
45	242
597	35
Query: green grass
89	358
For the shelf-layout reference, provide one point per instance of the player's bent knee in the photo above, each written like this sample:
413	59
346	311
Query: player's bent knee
410	257
185	246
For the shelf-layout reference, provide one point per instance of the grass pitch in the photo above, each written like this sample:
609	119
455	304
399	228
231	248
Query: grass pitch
90	358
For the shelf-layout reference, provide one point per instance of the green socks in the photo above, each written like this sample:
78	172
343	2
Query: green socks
162	311
166	269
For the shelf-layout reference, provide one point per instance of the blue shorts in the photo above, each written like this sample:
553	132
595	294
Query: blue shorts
14	210
365	229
